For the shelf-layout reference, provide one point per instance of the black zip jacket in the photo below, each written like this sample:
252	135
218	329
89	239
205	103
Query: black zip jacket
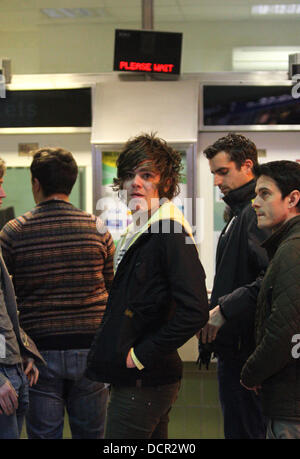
157	302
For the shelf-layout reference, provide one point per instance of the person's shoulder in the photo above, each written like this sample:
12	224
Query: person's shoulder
167	226
17	223
290	246
80	213
171	233
85	214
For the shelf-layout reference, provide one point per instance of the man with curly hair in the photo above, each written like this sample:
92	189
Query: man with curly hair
157	301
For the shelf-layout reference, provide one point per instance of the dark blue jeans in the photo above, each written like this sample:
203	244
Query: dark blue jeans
241	408
11	426
283	429
140	412
61	385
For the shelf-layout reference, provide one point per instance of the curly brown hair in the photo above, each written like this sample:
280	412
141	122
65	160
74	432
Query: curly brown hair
238	147
165	159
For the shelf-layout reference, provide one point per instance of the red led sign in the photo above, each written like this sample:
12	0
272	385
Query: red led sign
145	67
147	51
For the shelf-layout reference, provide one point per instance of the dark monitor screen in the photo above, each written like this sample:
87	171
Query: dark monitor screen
147	51
46	108
250	105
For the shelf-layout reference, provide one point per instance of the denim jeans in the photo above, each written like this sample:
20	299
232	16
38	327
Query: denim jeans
140	412
283	429
11	426
62	385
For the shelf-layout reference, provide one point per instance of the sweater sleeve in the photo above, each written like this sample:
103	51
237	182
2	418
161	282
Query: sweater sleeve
108	270
186	280
274	351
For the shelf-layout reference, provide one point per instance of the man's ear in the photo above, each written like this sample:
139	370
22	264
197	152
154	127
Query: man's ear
36	184
248	166
294	198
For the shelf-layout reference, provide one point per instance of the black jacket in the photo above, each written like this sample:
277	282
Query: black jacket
275	363
157	302
242	301
239	261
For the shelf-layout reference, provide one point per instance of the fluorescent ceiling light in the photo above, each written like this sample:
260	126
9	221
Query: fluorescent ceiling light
52	13
251	58
292	8
56	13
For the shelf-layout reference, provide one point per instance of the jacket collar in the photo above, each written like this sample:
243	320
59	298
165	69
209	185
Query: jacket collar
291	227
238	198
51	201
168	211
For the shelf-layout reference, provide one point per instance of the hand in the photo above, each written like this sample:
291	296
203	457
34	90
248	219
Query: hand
256	388
215	322
129	362
30	371
8	399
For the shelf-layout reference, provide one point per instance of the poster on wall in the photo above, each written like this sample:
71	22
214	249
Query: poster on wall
114	212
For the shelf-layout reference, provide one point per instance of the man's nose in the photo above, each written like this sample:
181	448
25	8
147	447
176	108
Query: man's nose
2	192
137	180
255	202
217	180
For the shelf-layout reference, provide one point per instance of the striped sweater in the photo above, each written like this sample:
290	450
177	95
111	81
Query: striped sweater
62	268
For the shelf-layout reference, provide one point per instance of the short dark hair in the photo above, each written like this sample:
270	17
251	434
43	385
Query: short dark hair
238	147
55	169
286	175
149	147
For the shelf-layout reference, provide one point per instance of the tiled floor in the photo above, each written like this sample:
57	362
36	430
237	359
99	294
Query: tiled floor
196	413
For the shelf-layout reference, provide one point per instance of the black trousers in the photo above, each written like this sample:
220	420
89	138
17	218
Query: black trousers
241	408
140	412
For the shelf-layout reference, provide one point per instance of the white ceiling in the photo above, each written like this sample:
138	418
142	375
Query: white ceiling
24	14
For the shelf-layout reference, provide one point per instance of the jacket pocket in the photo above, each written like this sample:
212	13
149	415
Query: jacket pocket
137	322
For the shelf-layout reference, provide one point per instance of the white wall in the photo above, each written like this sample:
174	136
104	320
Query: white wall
84	48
